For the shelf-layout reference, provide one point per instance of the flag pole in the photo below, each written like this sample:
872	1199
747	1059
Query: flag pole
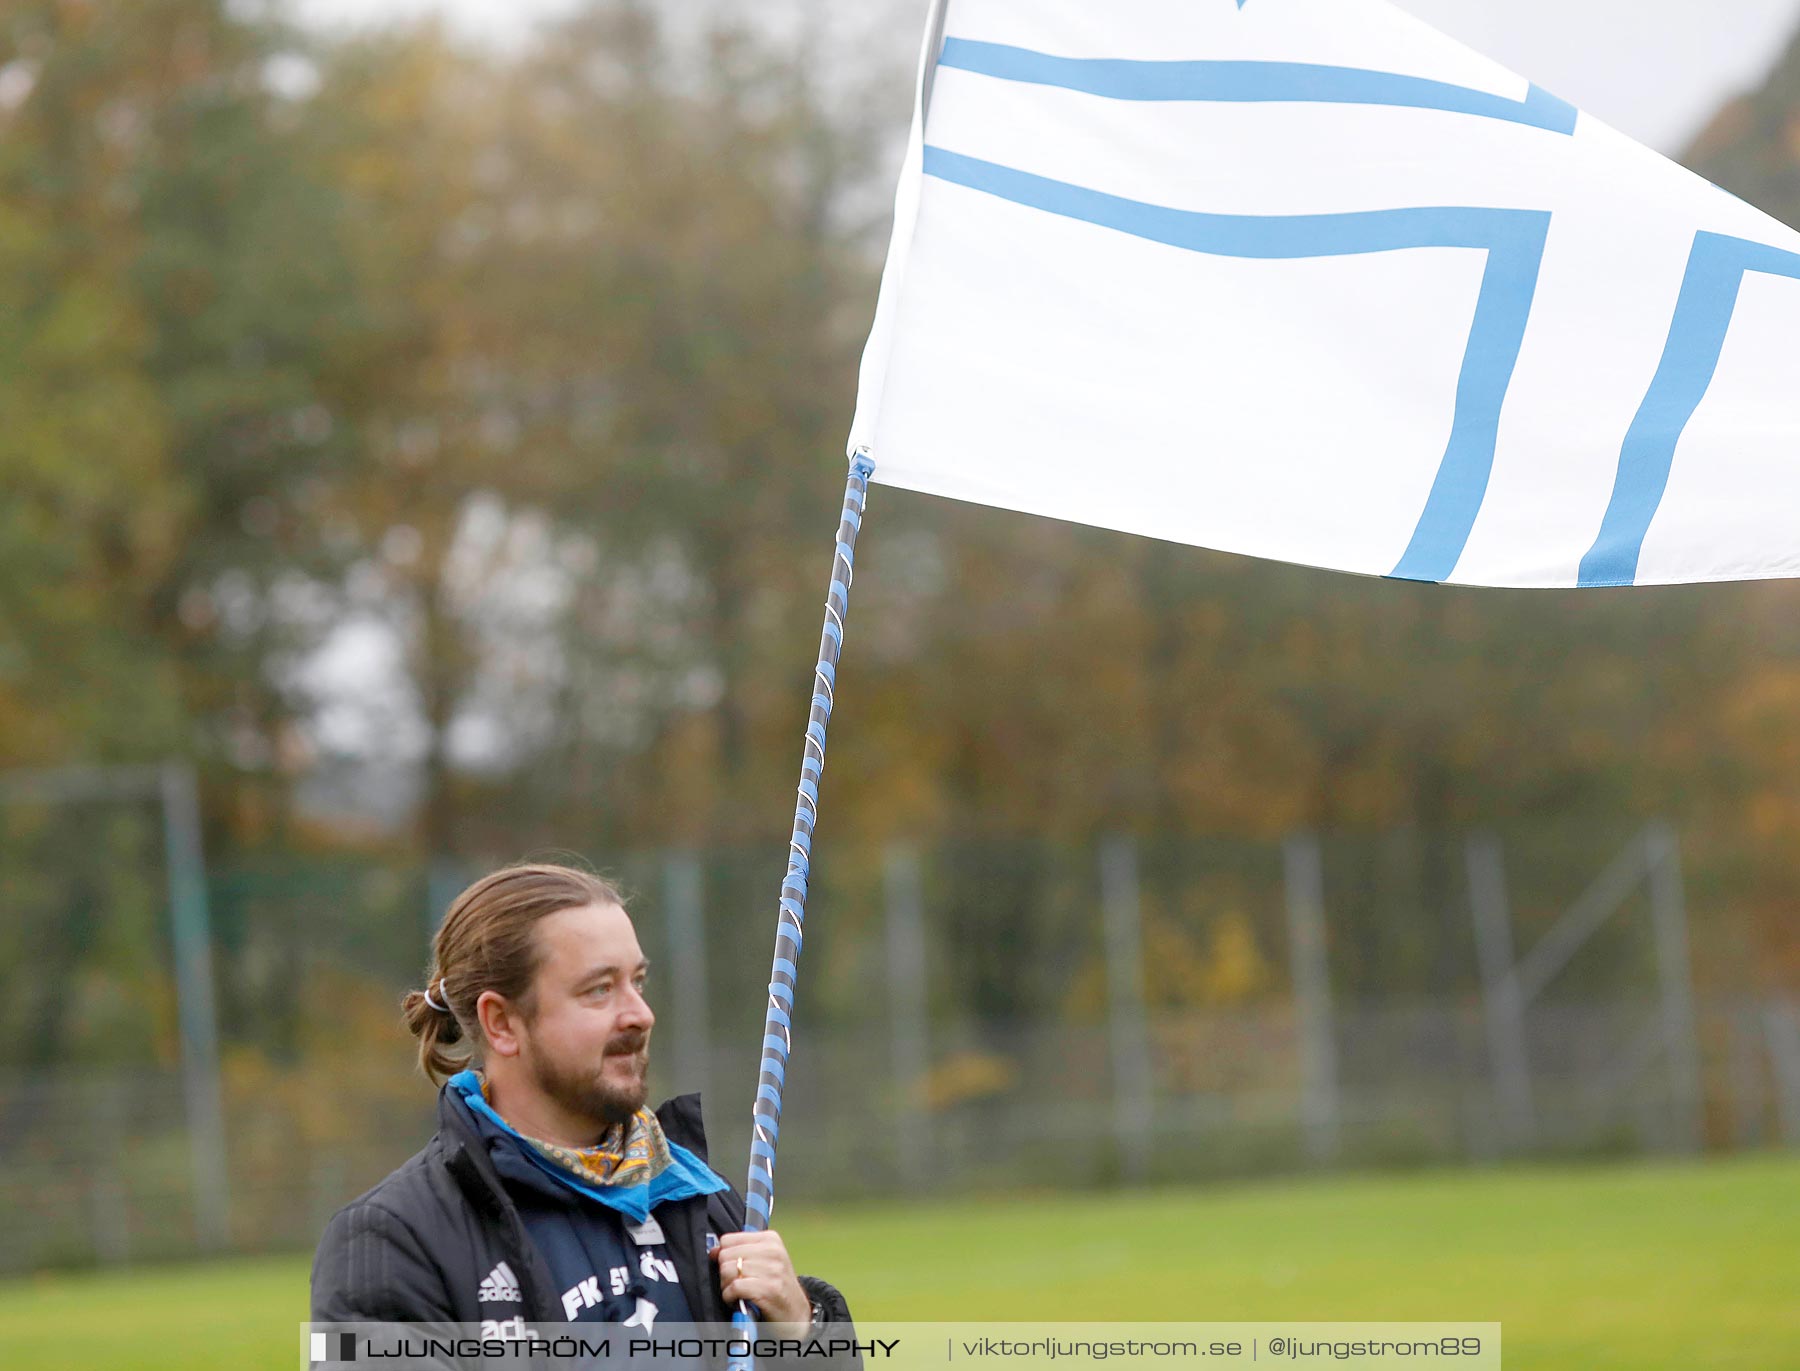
765	1115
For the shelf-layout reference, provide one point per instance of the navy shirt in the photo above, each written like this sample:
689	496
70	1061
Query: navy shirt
607	1268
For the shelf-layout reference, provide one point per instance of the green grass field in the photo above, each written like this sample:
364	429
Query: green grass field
1645	1268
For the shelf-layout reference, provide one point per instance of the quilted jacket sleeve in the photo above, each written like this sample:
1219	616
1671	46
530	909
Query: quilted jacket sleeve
371	1267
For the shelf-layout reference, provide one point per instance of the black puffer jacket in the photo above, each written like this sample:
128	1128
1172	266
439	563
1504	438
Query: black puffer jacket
419	1246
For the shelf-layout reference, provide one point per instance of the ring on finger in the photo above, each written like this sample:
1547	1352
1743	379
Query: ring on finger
740	1268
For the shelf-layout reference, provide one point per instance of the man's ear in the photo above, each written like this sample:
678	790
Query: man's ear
500	1023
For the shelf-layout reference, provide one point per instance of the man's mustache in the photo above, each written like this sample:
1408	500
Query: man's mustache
627	1045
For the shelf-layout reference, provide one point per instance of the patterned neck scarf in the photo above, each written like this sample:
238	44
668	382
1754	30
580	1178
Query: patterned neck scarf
628	1154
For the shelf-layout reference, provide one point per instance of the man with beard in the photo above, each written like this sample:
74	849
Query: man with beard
549	1192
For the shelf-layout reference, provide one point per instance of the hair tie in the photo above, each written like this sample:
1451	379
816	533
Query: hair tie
443	985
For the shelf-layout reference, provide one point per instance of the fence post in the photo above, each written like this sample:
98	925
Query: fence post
1662	859
908	1005
1502	1005
1781	1031
198	1019
1129	1025
1748	1100
1304	876
108	1120
112	1235
684	910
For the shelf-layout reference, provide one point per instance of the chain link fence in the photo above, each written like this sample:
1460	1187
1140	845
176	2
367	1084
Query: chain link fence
103	1176
973	1016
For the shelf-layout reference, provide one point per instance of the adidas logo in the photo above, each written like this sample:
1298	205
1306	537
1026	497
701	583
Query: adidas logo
500	1285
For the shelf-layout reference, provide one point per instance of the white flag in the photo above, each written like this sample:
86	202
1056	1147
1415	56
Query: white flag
1307	279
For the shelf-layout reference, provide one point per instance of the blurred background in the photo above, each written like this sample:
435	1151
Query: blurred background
422	440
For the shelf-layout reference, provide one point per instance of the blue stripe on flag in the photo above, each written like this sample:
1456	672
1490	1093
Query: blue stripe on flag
1512	238
1508	287
1716	269
1253	83
1236	235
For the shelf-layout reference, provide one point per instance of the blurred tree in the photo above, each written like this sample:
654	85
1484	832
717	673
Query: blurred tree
619	271
90	525
171	317
175	327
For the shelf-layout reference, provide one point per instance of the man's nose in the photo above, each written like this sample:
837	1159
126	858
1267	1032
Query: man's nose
636	1011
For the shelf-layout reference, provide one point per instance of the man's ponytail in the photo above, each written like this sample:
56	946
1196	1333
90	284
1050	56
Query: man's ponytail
437	1029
